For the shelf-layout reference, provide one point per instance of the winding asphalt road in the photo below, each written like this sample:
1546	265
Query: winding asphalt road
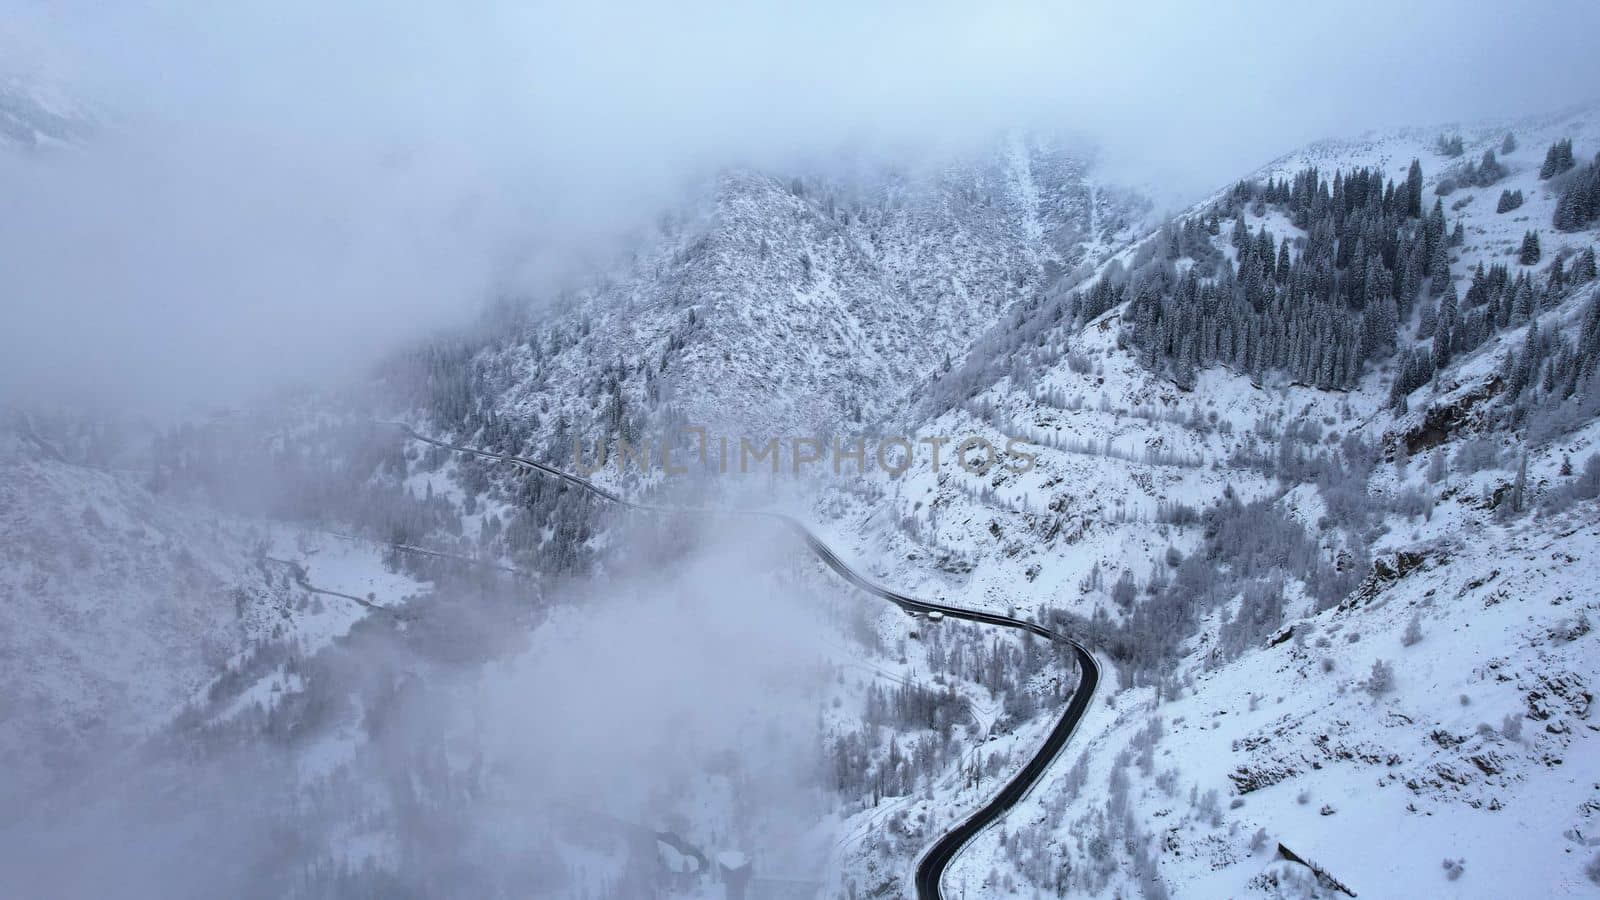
933	862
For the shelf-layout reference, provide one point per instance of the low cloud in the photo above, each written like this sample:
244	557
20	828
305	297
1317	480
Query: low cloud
283	190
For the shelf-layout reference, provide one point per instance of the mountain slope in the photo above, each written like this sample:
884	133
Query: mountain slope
1199	527
792	306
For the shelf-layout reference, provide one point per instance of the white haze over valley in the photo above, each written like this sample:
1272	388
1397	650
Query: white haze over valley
605	720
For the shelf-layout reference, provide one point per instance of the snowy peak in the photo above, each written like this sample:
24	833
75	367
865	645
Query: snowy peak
812	302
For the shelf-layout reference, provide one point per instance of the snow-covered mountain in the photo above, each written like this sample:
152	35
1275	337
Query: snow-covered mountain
790	305
1315	477
1285	539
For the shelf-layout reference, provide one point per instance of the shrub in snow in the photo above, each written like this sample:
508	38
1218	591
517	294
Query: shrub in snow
1454	867
1487	171
1168	782
1327	664
1465	700
1580	626
1402	457
1511	726
1260	613
1476	454
1413	503
1303	798
1587	484
1150	885
1144	744
1413	632
1436	466
1123	592
1209	809
1258	842
1381	680
1593	869
1570	629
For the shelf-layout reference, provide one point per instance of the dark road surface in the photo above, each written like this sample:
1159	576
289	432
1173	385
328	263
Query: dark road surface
932	865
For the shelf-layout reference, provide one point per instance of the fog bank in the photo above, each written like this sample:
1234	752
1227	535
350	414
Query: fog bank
283	190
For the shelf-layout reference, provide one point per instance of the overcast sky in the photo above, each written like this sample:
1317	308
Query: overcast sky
288	187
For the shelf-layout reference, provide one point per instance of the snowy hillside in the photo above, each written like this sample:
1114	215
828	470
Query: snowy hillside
1271	530
789	305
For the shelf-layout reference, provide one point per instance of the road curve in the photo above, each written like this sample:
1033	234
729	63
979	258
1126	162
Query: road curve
933	862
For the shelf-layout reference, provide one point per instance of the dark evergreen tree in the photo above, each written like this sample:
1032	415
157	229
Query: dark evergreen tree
1318	310
1579	204
1427	321
1434	228
1413	190
1528	255
1413	370
1486	172
1319	315
1583	267
1557	159
1444	331
1439	268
